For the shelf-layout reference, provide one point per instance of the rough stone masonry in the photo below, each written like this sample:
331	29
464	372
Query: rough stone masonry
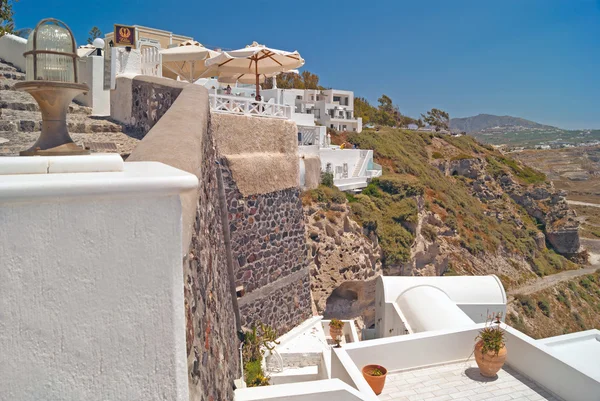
259	163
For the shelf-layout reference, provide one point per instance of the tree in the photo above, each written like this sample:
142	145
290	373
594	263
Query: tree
364	110
23	32
94	33
7	24
438	119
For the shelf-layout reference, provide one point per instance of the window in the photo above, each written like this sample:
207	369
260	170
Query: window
336	99
299	97
312	97
309	111
317	113
344	127
349	115
332	126
332	113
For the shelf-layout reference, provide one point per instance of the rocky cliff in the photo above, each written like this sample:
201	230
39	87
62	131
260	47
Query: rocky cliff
344	262
449	205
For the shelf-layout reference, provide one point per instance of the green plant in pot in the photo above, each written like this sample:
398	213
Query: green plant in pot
490	349
375	375
335	331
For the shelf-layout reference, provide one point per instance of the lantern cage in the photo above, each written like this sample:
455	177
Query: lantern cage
51	53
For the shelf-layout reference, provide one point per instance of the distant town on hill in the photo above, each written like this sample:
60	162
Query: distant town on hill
515	132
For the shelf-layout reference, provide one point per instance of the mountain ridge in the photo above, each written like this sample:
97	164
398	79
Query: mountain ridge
481	122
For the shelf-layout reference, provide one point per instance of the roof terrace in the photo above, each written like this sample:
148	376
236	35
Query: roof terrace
461	381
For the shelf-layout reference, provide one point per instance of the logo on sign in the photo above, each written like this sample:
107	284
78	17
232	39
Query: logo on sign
124	36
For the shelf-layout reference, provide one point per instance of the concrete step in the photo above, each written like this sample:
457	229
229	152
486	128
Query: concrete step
295	375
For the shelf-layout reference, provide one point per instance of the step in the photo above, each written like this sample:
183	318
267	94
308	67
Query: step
29	121
17	76
9	84
12	143
17	100
295	375
7	67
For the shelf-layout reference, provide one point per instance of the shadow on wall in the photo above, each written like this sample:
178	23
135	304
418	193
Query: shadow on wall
352	299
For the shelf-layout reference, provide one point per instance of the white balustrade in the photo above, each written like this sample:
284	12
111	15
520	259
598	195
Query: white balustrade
248	106
151	61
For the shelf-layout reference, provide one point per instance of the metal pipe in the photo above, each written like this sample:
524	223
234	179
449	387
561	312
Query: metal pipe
227	240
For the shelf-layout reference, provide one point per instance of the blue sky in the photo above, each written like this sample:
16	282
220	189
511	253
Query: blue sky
536	59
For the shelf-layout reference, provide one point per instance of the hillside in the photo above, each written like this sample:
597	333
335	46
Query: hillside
482	122
450	206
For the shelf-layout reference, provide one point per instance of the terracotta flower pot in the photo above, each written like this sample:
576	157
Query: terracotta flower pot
376	382
489	363
335	332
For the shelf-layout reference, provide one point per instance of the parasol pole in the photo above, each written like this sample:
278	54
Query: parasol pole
256	70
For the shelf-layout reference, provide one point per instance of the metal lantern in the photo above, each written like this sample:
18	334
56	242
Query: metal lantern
51	78
51	53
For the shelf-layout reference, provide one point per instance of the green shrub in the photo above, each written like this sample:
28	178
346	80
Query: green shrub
563	298
429	232
437	155
397	185
586	283
544	307
579	320
462	156
527	304
327	179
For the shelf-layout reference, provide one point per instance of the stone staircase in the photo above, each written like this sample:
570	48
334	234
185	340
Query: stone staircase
20	121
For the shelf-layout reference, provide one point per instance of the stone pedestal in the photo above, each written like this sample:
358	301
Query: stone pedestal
54	99
91	281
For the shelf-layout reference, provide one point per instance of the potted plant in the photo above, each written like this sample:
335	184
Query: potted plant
490	350
375	376
335	330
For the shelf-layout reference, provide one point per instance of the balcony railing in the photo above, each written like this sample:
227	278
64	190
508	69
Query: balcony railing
248	106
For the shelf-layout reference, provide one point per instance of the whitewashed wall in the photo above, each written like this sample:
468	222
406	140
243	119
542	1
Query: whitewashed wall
91	73
91	281
12	48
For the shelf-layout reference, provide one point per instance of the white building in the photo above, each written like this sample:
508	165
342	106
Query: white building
333	108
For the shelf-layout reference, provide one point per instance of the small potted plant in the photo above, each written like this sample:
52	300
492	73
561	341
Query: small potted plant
375	376
490	350
335	330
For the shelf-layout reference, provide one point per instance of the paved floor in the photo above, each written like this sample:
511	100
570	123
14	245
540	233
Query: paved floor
461	381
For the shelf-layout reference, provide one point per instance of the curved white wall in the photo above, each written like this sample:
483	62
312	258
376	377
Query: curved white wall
428	308
12	48
477	297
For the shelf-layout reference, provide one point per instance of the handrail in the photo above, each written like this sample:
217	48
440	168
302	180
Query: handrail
248	106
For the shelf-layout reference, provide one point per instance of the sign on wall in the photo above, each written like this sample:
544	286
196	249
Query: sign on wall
125	36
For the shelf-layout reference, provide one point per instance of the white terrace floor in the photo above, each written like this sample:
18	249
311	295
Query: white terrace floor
461	381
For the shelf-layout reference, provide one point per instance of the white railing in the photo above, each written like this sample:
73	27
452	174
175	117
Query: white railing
151	61
248	106
308	135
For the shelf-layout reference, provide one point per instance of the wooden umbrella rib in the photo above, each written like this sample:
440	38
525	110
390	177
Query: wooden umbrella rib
281	65
225	62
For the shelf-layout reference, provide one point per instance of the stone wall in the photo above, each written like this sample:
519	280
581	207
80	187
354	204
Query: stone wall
141	101
182	138
269	252
259	162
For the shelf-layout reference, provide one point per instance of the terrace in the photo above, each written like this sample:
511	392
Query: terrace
427	350
461	380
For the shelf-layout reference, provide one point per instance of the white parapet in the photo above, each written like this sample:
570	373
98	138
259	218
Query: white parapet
91	280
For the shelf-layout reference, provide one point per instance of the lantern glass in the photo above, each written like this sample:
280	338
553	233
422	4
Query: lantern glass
52	48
